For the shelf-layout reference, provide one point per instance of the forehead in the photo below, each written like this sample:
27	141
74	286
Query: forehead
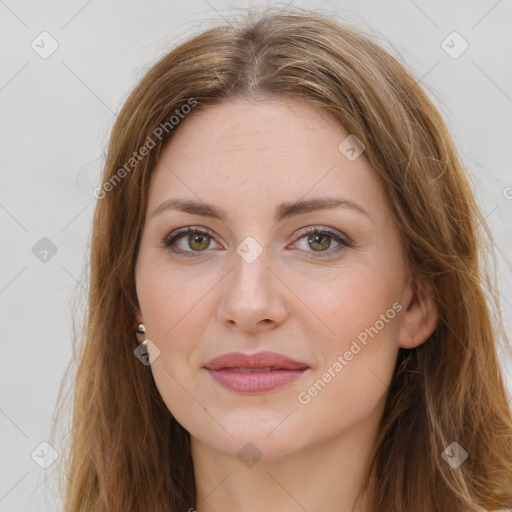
254	155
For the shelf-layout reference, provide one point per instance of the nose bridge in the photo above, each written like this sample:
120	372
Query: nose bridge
250	295
251	265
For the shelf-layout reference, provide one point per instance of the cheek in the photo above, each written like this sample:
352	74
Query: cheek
173	310
351	300
172	301
357	358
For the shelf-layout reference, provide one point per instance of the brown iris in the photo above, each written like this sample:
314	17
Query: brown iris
313	239
203	241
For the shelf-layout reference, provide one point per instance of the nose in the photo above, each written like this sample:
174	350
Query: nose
253	296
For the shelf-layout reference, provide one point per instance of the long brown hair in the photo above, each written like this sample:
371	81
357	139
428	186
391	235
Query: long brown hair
126	451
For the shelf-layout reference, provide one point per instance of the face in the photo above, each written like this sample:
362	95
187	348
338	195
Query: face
259	279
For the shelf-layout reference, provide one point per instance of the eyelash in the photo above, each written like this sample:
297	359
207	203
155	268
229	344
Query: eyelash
176	235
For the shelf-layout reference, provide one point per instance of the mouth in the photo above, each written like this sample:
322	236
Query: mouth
252	370
256	373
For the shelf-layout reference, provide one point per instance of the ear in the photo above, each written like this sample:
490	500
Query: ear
420	315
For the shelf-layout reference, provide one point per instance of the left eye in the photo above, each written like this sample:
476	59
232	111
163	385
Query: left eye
320	240
199	240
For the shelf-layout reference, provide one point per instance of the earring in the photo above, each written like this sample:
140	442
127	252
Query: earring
142	351
142	330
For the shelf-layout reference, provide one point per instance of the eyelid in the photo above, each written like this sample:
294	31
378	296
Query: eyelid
317	228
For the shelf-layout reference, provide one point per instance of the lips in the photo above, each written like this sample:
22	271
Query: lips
260	361
254	373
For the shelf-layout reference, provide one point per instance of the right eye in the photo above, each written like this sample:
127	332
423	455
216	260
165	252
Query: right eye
197	239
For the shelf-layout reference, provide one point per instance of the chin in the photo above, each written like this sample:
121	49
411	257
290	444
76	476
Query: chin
258	435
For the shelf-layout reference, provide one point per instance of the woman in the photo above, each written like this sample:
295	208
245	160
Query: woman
287	309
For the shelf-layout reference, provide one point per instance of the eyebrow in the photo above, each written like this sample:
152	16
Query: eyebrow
283	211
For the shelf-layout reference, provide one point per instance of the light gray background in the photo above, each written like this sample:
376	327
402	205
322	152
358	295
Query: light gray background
56	114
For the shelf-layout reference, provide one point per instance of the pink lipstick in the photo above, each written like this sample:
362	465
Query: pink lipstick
255	373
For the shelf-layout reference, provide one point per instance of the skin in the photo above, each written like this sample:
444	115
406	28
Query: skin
248	157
